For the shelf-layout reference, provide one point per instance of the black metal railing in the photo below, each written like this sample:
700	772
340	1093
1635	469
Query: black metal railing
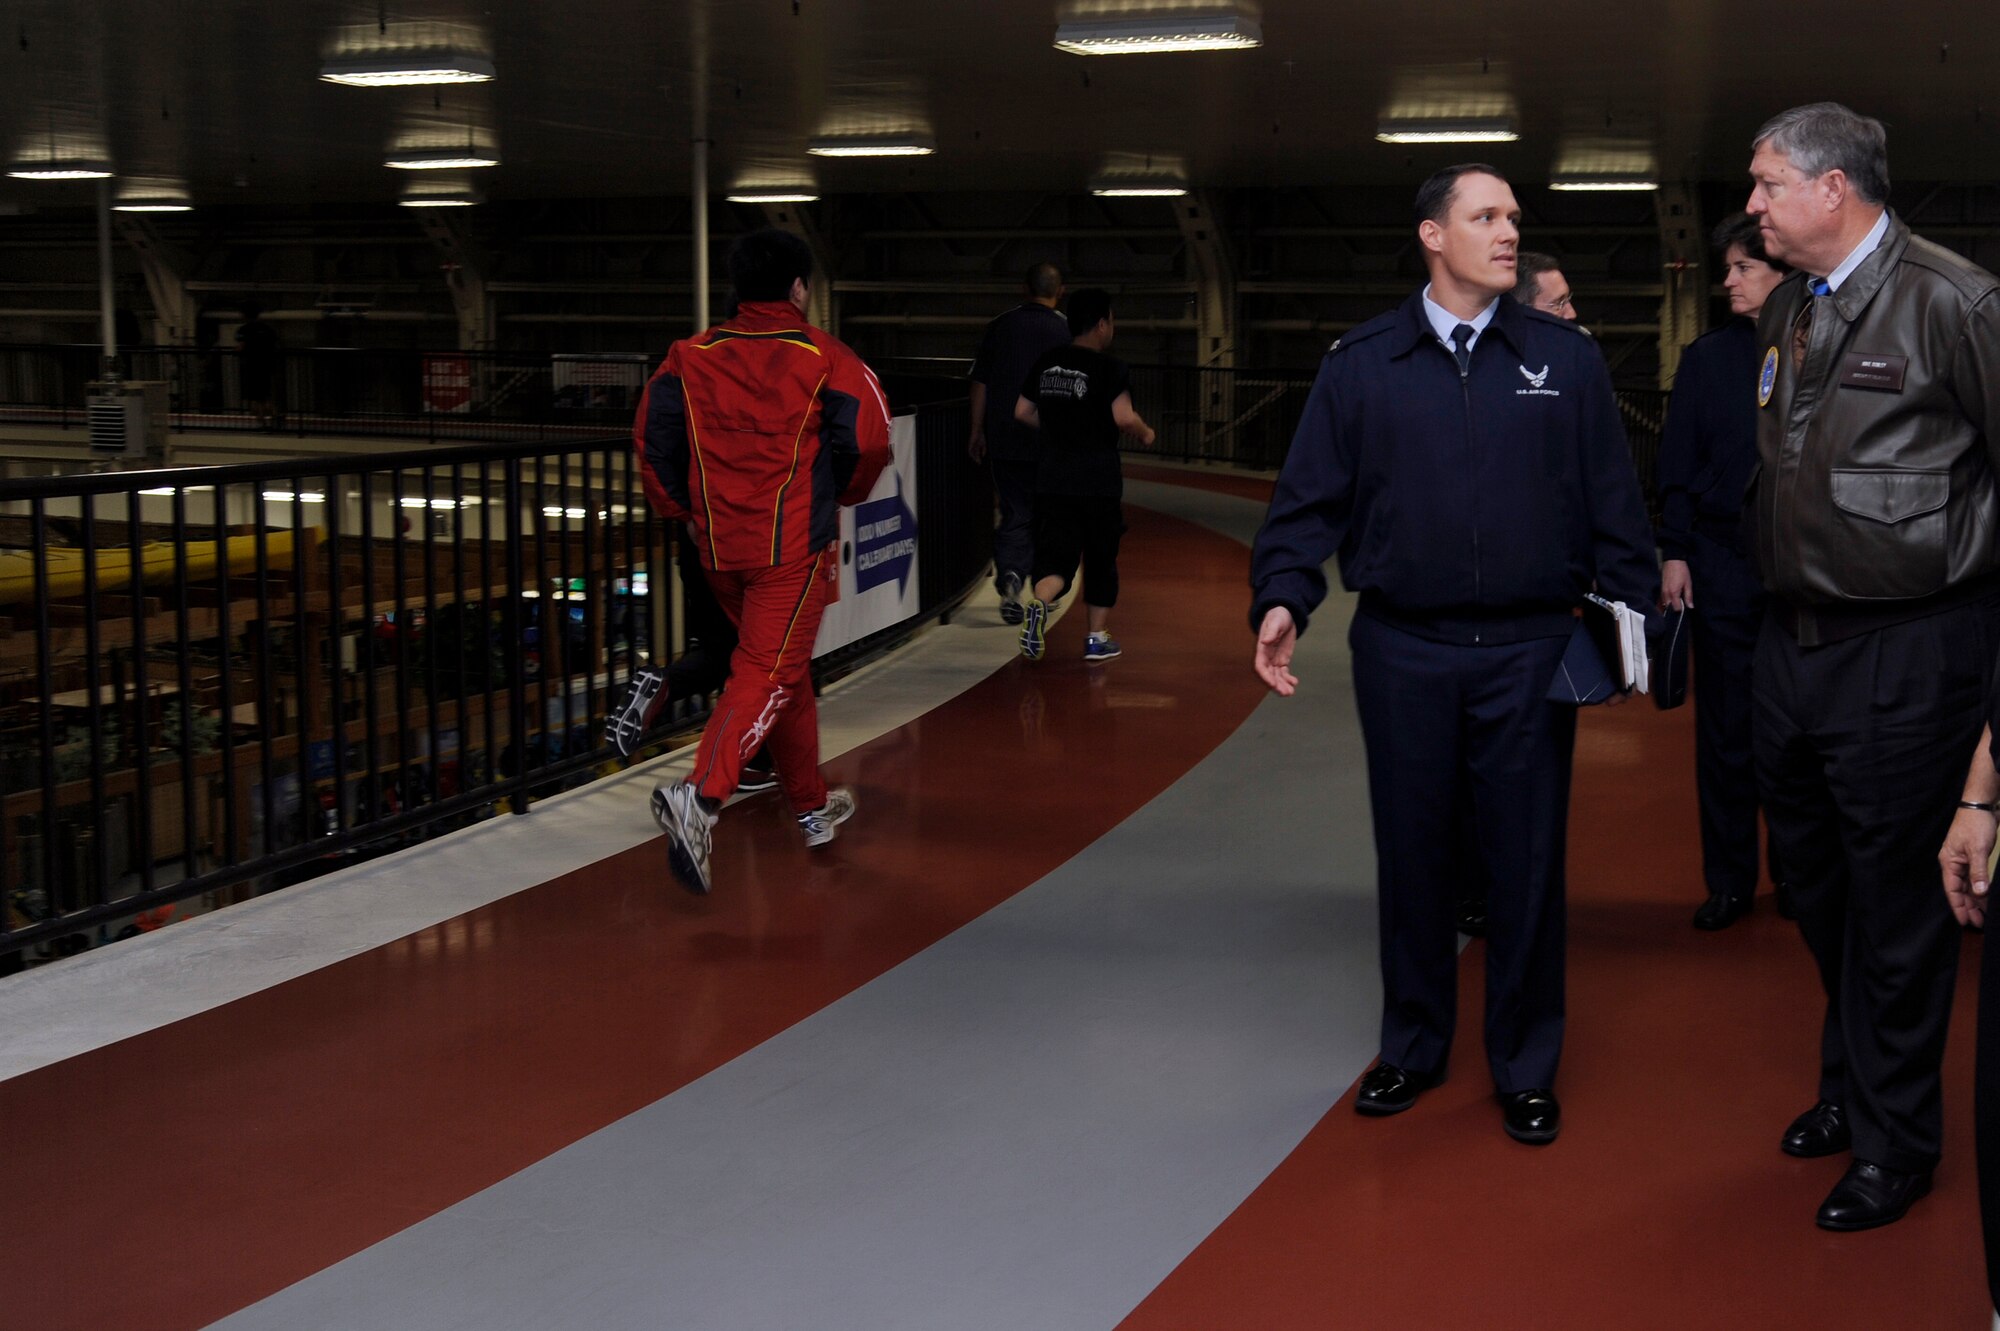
220	680
429	395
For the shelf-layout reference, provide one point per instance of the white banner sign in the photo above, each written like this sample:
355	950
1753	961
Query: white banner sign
878	551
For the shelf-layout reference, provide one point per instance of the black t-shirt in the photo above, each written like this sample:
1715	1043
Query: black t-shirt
1073	389
1012	344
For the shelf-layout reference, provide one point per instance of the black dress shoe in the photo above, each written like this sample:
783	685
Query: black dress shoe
1533	1117
1821	1130
1472	917
1788	905
1721	910
1388	1089
1869	1195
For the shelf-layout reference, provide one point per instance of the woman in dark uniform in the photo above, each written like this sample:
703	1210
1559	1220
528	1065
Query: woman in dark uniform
1707	453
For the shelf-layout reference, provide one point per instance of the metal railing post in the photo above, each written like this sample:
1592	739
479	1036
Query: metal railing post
517	693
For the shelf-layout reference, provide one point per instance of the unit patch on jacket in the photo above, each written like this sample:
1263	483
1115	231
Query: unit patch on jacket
1536	381
1767	377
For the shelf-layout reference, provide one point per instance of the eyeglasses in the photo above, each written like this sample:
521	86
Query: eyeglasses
1556	306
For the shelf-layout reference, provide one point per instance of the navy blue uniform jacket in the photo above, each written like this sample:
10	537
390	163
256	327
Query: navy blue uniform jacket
1474	510
1709	447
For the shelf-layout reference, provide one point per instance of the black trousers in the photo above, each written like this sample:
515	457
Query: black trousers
1438	718
1014	536
1861	750
1728	610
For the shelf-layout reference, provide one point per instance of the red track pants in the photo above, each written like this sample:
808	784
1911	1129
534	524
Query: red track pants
768	701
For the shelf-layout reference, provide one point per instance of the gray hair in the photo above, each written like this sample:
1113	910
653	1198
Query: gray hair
1826	136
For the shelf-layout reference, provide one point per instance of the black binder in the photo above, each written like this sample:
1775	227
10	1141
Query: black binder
1669	650
1591	670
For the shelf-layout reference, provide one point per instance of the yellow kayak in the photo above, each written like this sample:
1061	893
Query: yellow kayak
156	565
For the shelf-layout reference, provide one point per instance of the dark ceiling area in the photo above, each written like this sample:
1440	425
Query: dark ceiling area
600	98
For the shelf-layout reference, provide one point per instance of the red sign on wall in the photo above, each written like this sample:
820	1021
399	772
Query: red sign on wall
447	383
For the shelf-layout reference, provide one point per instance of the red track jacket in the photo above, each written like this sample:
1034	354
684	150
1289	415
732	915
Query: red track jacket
755	431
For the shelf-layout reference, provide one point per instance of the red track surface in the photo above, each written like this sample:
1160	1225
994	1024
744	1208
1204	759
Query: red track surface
177	1176
1666	1203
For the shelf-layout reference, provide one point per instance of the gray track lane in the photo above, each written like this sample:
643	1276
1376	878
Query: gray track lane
1027	1125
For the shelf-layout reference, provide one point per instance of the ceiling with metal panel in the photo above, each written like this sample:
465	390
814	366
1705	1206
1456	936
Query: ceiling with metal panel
598	98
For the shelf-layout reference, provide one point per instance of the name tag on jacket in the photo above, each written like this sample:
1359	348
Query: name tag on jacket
1867	369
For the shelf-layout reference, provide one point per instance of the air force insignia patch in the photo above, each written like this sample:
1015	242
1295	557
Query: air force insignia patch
1767	377
1535	378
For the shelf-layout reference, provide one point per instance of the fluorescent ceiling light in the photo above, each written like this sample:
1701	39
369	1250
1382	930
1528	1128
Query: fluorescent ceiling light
418	501
1159	32
440	198
1480	129
286	497
408	70
60	169
1604	184
871	145
1137	189
442	160
772	196
172	490
152	203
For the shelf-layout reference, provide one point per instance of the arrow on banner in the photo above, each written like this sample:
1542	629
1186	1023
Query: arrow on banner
885	542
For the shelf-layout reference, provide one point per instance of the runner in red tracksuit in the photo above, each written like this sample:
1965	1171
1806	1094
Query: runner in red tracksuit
754	432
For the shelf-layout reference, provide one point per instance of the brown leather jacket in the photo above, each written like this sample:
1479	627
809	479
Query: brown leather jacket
1876	498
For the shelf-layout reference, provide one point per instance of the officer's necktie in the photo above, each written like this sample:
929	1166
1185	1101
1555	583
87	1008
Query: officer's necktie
1461	346
1802	327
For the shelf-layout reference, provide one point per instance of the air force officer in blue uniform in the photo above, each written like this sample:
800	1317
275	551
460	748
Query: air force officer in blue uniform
1463	457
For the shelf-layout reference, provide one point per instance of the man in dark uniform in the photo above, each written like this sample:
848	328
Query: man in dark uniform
1966	857
1707	453
1463	456
1012	344
1873	527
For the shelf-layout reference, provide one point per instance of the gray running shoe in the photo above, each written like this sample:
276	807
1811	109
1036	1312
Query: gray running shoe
1034	631
1010	598
819	824
690	833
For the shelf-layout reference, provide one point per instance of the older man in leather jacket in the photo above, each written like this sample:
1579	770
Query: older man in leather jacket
1873	518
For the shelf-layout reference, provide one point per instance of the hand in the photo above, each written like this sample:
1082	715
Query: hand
1276	637
1676	585
1964	859
1146	439
975	447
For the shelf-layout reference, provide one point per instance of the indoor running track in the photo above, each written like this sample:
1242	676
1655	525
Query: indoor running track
1060	1033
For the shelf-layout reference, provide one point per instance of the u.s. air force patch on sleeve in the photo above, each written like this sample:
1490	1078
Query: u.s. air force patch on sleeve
1767	377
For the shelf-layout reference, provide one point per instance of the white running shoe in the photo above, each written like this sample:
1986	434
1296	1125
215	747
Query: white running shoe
819	824
625	727
690	833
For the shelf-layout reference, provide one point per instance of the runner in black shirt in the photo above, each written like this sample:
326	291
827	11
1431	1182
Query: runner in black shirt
1010	348
1080	399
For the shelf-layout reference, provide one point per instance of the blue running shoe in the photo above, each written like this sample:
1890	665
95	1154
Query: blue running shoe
1100	647
1034	628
